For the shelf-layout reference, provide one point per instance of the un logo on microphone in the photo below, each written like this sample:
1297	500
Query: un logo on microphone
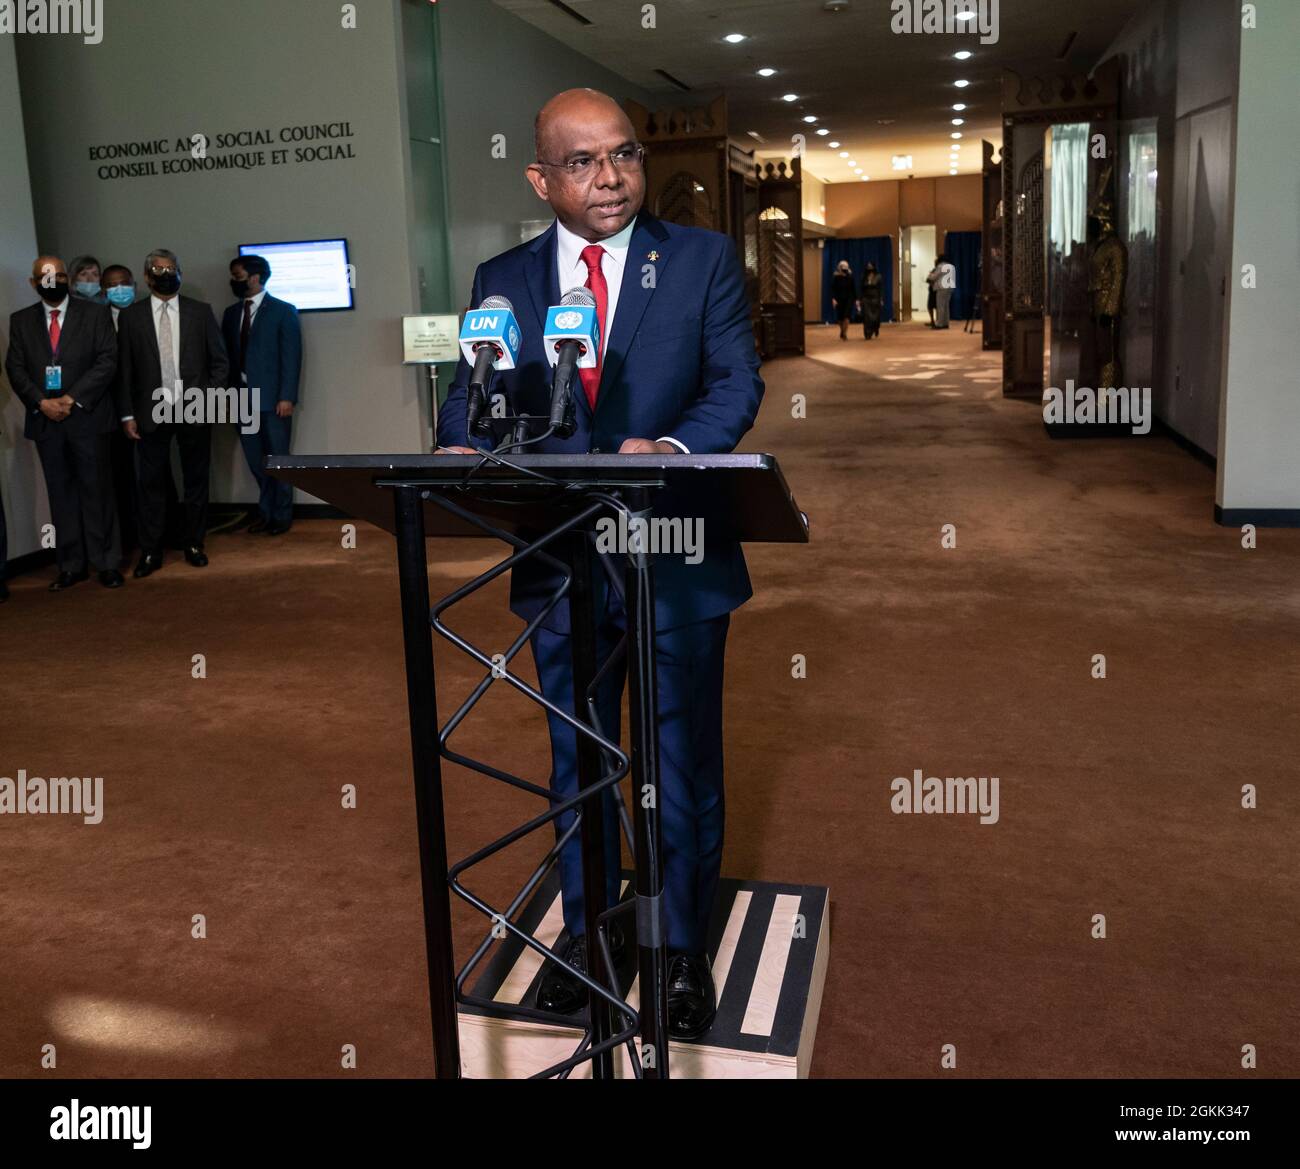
568	320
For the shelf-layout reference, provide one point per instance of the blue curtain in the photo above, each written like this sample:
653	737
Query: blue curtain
879	249
963	251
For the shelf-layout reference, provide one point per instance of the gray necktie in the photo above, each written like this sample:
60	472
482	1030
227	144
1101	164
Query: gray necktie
166	353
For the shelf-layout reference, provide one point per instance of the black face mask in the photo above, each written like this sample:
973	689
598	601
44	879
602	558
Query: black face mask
239	287
167	283
53	293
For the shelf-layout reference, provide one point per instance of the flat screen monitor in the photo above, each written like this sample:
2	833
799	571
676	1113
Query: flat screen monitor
313	275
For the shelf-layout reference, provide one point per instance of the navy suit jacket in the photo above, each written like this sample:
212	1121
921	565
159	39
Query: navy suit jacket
680	362
274	359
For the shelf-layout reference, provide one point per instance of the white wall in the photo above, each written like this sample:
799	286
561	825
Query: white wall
1259	424
20	473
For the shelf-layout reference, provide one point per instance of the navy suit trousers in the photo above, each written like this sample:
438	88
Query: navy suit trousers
689	663
272	437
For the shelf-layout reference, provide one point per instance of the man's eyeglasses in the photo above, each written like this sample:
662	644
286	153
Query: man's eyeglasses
584	167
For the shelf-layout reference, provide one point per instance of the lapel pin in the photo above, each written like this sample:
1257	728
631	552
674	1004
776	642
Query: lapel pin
652	255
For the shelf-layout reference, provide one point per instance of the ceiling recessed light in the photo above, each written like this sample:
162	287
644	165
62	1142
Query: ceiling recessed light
789	97
844	154
857	170
961	84
901	161
734	38
959	121
963	54
852	162
767	71
833	145
823	131
809	118
952	172
956	133
865	178
959	106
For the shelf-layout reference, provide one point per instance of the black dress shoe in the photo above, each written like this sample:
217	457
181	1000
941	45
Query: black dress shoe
4	592
196	556
149	562
692	1003
65	580
110	578
276	529
560	991
258	525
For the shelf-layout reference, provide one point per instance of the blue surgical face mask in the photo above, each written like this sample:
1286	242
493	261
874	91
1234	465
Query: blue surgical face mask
88	288
120	295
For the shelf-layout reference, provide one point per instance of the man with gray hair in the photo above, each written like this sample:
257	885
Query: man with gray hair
166	344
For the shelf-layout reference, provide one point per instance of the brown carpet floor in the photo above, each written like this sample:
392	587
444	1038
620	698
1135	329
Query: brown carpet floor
1119	797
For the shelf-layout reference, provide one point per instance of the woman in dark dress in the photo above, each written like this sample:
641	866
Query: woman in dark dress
873	295
843	292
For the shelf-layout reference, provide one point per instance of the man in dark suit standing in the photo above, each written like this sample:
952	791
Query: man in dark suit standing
167	344
264	345
677	374
60	363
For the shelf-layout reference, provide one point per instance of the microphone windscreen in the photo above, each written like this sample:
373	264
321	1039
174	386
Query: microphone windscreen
495	301
579	295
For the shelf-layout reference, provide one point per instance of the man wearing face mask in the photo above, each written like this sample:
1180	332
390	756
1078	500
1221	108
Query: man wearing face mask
60	363
264	344
167	344
118	288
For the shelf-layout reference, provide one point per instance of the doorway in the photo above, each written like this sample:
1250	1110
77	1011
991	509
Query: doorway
918	247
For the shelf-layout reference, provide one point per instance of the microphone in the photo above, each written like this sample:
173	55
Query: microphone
572	342
489	339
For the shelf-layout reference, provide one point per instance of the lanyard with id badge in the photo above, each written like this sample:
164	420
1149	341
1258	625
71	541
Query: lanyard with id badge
54	373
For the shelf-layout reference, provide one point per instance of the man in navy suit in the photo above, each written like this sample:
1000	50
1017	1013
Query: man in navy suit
264	341
678	374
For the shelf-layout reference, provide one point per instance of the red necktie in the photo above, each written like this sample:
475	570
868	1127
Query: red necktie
54	331
591	255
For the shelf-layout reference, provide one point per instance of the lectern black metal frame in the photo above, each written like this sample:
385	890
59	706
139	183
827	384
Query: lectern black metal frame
546	506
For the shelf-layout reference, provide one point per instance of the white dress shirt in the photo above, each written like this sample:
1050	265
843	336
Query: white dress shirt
61	308
174	312
572	270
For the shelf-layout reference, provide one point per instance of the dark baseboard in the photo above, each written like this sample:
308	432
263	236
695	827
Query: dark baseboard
223	517
1261	517
41	558
301	511
1201	456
